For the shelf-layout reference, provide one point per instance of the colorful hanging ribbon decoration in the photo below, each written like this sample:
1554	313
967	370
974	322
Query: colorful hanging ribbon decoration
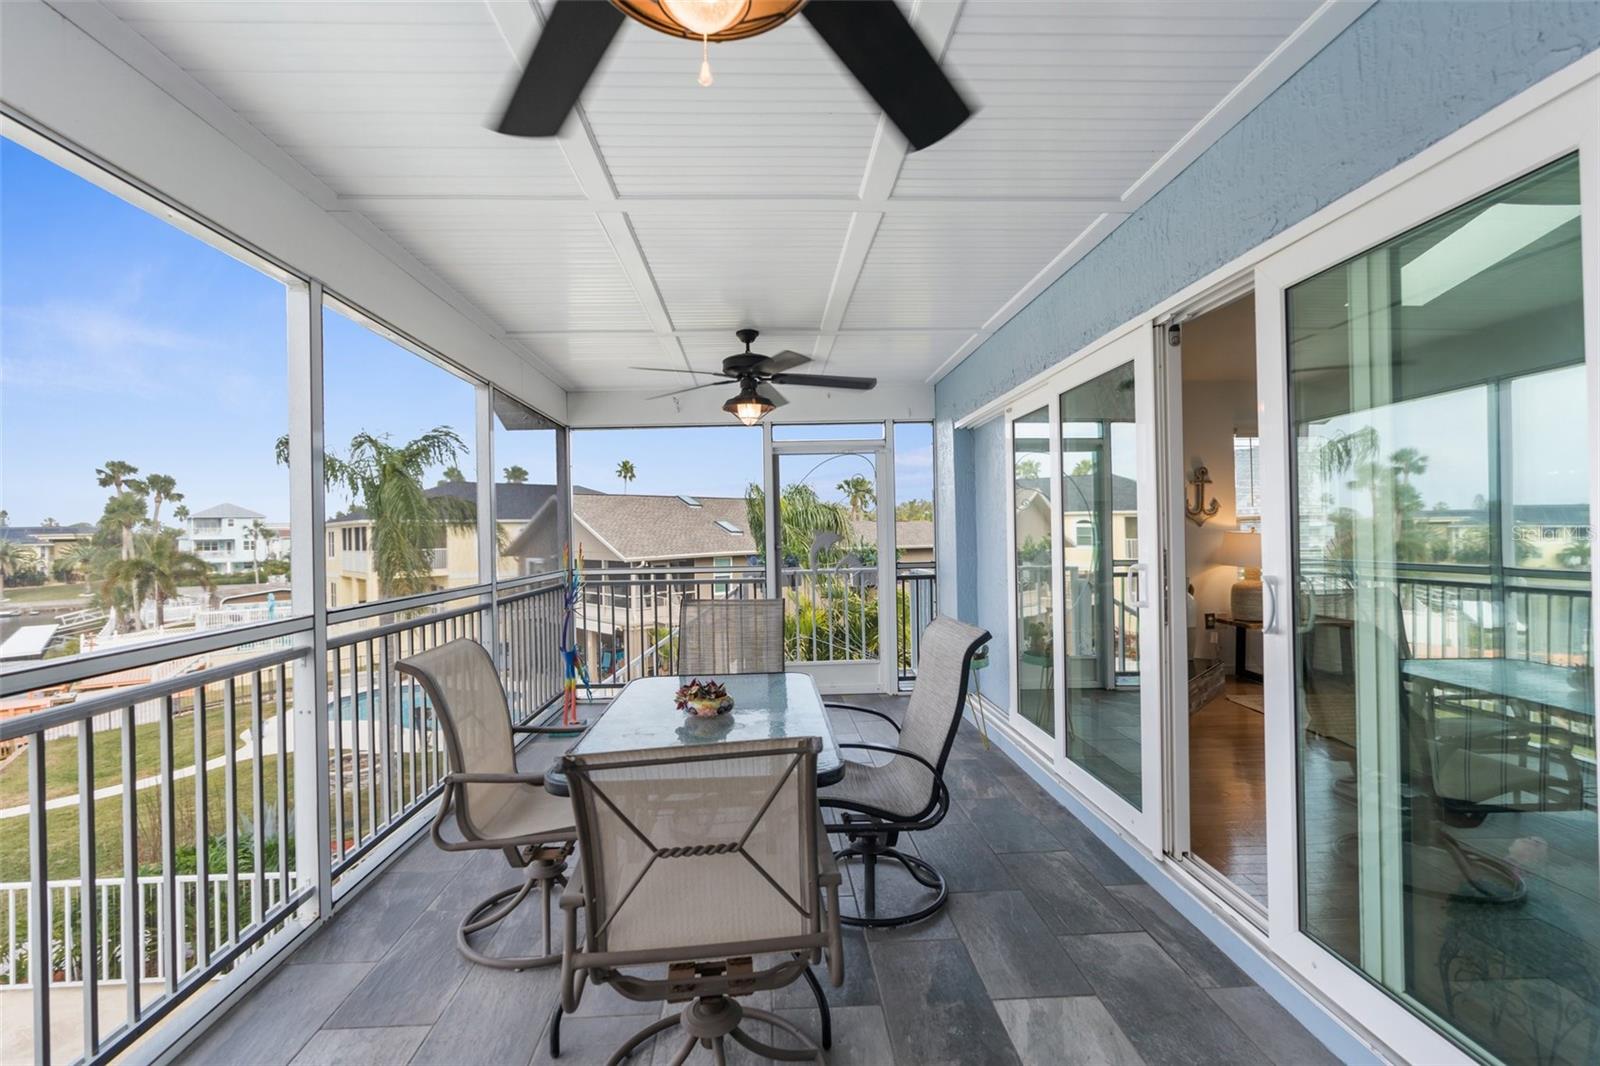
572	660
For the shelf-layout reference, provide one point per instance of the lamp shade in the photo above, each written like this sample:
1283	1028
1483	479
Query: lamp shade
1239	548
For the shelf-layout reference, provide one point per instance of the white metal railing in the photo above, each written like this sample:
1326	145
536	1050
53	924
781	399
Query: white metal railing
194	826
150	913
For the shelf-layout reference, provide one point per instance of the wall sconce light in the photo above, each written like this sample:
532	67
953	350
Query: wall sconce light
1199	511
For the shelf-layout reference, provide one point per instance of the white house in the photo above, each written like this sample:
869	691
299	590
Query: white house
225	537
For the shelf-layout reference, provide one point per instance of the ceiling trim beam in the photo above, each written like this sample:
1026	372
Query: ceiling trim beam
572	205
935	22
519	23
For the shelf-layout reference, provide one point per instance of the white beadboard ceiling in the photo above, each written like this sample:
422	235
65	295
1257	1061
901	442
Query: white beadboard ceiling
667	215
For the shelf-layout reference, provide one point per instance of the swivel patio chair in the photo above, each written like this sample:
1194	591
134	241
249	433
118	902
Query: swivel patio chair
730	637
709	859
494	805
878	802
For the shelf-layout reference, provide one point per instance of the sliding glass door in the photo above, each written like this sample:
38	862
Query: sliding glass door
1085	690
1438	619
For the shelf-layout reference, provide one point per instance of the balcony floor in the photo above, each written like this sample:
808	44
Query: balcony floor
1051	950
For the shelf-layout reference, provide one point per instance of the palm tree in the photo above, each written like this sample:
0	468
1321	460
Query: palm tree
516	475
261	537
801	516
181	512
386	479
453	473
11	558
5	519
627	473
157	570
124	512
115	475
859	494
162	487
49	523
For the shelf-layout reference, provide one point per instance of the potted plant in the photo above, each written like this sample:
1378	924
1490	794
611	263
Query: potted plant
704	699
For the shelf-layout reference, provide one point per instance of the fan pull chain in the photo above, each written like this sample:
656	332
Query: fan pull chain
705	60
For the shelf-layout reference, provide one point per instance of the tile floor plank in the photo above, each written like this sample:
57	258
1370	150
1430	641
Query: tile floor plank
1066	1032
1013	951
936	1007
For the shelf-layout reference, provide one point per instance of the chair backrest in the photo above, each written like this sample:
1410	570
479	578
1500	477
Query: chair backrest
463	689
943	667
713	845
730	637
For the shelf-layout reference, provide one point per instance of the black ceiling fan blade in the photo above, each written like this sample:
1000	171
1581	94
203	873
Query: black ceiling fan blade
574	40
680	370
691	388
784	360
770	394
876	43
825	381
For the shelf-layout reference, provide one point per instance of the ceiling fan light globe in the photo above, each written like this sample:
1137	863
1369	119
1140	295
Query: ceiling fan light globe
694	18
705	17
749	407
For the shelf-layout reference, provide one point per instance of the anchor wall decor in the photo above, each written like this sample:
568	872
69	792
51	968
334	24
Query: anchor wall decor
1199	511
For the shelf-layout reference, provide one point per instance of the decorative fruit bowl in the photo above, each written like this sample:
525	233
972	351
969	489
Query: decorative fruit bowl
704	699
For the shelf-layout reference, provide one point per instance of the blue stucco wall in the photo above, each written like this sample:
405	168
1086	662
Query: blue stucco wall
1405	74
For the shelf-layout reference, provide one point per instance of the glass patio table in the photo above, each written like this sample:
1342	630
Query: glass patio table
765	707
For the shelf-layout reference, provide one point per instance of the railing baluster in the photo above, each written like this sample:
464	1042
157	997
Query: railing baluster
39	948
88	971
202	830
337	731
132	910
230	805
168	903
281	699
258	794
373	761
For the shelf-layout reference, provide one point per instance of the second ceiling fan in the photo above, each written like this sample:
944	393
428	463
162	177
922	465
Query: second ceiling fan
756	374
872	38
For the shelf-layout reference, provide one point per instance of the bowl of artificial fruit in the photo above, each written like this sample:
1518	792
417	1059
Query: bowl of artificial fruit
704	699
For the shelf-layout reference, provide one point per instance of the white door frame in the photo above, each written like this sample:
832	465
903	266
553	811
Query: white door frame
866	675
1133	346
1500	153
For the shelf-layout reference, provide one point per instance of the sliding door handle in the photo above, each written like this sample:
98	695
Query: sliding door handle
1270	586
1140	571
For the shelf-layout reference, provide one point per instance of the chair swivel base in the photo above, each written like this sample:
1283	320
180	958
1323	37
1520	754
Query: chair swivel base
539	876
710	1021
871	849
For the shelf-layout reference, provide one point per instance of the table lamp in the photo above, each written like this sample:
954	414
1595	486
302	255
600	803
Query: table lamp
1243	548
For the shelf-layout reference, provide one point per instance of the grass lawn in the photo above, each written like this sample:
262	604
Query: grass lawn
61	754
61	825
34	594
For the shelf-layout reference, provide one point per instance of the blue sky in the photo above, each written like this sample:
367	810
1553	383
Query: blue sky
122	337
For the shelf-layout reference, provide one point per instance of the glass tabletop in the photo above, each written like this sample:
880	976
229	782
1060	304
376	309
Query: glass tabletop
765	707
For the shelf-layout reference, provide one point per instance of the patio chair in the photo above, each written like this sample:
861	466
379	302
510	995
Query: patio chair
876	803
730	637
494	805
708	859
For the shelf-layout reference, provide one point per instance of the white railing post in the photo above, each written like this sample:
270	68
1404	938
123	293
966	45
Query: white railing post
308	560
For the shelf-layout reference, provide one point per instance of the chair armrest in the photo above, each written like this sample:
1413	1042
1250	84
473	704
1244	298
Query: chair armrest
551	730
827	867
459	777
913	756
863	710
573	976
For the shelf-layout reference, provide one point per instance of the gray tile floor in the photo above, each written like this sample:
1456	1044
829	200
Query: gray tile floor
1051	951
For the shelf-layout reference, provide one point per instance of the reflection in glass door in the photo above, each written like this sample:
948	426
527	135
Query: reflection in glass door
829	571
1033	525
1100	576
1443	646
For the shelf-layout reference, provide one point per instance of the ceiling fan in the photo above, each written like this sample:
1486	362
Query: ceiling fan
756	374
872	38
